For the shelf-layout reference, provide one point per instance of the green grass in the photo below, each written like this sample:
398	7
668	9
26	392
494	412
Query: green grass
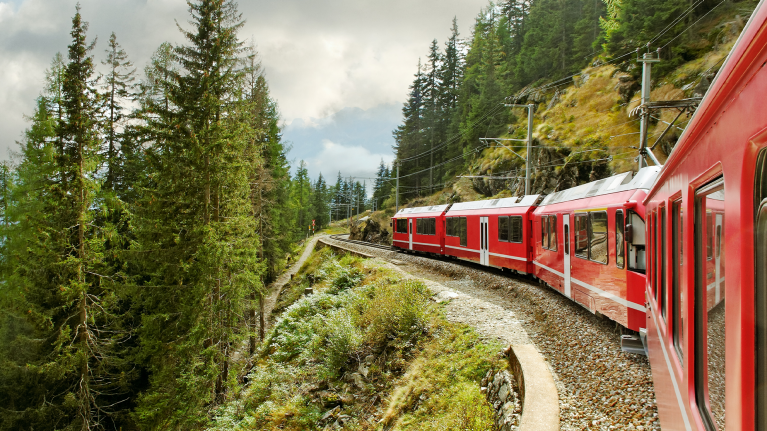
422	371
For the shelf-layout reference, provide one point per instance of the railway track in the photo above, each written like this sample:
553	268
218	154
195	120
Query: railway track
582	348
338	237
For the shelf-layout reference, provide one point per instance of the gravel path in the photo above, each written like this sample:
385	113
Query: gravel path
275	288
599	386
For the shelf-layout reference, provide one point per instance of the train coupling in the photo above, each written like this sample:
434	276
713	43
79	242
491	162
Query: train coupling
635	344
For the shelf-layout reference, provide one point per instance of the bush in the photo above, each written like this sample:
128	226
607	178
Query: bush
397	310
338	337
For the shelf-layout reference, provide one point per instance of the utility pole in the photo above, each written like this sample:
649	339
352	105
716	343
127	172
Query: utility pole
530	109
647	60
396	193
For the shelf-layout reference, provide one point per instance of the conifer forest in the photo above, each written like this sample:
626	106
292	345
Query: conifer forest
145	212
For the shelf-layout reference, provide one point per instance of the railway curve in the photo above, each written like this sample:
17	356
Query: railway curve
600	387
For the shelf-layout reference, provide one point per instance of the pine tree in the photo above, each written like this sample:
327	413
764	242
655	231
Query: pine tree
197	235
117	88
301	193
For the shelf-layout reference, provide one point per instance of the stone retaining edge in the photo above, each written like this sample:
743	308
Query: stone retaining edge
540	399
347	250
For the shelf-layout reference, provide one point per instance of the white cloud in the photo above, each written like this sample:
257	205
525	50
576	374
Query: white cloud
319	57
351	161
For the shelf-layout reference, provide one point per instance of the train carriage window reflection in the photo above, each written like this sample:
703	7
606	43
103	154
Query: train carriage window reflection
503	228
581	235
598	236
677	304
636	243
462	230
553	233
545	227
515	229
709	310
620	246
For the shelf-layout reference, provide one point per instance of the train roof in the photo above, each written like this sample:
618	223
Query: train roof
644	179
421	210
524	201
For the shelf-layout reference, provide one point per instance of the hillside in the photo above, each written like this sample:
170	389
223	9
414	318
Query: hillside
582	127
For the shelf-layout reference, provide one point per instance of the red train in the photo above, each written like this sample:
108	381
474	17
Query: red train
707	333
572	240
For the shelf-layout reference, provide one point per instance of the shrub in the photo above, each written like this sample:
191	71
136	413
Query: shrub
338	337
397	310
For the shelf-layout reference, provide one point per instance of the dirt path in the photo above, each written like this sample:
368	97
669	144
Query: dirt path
275	288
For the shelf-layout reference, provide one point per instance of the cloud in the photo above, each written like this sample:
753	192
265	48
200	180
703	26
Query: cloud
320	58
352	161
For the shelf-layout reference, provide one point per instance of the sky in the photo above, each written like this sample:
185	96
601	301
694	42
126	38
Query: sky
339	70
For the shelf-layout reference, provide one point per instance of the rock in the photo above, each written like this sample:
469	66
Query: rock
503	393
330	399
369	359
358	381
362	369
330	413
347	399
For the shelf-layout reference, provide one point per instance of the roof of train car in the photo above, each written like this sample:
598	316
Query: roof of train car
728	80
644	179
421	210
524	201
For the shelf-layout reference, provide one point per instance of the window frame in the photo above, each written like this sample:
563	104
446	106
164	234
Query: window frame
553	236
397	225
700	344
620	243
501	237
606	234
663	267
578	229
521	229
677	262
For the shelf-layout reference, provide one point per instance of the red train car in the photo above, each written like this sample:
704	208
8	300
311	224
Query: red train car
420	229
707	333
492	232
581	249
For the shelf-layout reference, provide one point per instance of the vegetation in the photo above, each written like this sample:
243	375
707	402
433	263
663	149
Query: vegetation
541	52
365	347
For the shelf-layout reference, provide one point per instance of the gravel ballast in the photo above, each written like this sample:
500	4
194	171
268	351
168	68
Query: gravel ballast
600	387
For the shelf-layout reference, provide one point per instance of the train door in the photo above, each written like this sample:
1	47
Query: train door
566	227
719	286
410	232
484	255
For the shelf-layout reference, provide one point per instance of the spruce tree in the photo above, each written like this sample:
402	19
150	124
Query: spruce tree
117	91
197	237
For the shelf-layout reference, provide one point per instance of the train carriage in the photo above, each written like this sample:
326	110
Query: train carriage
581	249
707	333
420	229
492	232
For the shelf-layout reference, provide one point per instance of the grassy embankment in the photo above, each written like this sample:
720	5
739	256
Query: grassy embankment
366	350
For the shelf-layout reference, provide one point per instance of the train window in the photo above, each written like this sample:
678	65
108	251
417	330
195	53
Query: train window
677	304
553	233
450	226
419	226
760	285
709	236
662	267
582	235
545	231
515	229
709	309
462	230
620	246
598	236
426	226
636	245
503	228
653	272
401	225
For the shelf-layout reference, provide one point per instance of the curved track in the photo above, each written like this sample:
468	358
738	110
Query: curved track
600	387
